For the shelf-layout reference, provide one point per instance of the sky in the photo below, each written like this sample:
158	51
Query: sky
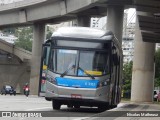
131	12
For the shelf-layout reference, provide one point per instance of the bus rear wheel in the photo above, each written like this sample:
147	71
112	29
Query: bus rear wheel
56	104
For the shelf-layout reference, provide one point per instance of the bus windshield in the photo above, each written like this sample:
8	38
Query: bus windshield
80	62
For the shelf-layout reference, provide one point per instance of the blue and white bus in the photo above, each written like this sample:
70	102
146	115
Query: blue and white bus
82	67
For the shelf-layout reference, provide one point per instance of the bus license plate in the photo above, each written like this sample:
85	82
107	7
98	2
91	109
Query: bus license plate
76	96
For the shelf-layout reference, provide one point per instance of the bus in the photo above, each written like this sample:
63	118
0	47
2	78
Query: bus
81	67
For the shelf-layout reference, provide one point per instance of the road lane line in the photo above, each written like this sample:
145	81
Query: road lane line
38	108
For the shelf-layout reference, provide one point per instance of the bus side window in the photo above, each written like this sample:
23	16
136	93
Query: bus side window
51	66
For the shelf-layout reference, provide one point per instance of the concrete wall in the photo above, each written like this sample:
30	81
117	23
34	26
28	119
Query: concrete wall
14	72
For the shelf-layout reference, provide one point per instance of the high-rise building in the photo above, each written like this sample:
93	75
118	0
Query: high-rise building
99	23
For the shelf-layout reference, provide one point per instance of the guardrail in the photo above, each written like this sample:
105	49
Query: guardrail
4	2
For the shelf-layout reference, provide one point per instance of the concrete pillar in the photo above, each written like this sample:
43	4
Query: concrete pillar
143	69
83	21
115	20
39	36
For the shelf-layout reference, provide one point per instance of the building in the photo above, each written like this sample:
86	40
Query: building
99	23
128	42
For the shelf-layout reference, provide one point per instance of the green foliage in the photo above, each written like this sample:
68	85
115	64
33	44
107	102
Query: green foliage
25	38
49	32
127	77
9	30
157	68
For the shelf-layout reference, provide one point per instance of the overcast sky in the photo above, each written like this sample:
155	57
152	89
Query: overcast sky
131	12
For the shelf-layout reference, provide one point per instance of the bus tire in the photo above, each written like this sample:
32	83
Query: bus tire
70	106
56	105
113	106
77	106
102	108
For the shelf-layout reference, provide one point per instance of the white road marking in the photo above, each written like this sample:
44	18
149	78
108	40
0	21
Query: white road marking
38	108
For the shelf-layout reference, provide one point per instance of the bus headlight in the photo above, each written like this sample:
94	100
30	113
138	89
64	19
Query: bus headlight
103	83
53	80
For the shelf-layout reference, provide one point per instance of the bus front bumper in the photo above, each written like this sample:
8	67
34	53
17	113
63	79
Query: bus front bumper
74	94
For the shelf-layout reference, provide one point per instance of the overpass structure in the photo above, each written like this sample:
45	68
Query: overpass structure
40	12
14	66
11	49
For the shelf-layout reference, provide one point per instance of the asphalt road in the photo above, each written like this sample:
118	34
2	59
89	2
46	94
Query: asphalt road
39	104
41	107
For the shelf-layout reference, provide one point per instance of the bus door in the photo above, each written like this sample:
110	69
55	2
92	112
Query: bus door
44	68
115	75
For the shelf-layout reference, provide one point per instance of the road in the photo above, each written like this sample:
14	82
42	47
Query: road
124	111
34	103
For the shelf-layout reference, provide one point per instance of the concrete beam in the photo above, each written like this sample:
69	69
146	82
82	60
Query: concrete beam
149	19
30	11
40	12
20	5
150	25
150	37
143	28
150	3
150	9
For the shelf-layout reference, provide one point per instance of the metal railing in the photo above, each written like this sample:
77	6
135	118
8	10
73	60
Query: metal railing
4	2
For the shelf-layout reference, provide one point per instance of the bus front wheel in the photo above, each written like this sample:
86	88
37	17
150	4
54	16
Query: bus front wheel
56	104
77	106
103	108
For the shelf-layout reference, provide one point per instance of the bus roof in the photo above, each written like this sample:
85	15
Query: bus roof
83	32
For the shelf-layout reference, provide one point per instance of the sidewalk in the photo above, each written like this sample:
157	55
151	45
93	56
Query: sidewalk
130	111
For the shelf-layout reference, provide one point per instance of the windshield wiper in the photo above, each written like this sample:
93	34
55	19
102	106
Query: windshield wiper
87	73
70	68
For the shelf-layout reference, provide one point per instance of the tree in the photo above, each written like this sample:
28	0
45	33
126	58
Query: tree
48	32
127	77
157	68
25	38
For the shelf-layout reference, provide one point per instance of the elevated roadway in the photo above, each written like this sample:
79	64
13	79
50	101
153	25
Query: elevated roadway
15	66
52	11
13	50
27	12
